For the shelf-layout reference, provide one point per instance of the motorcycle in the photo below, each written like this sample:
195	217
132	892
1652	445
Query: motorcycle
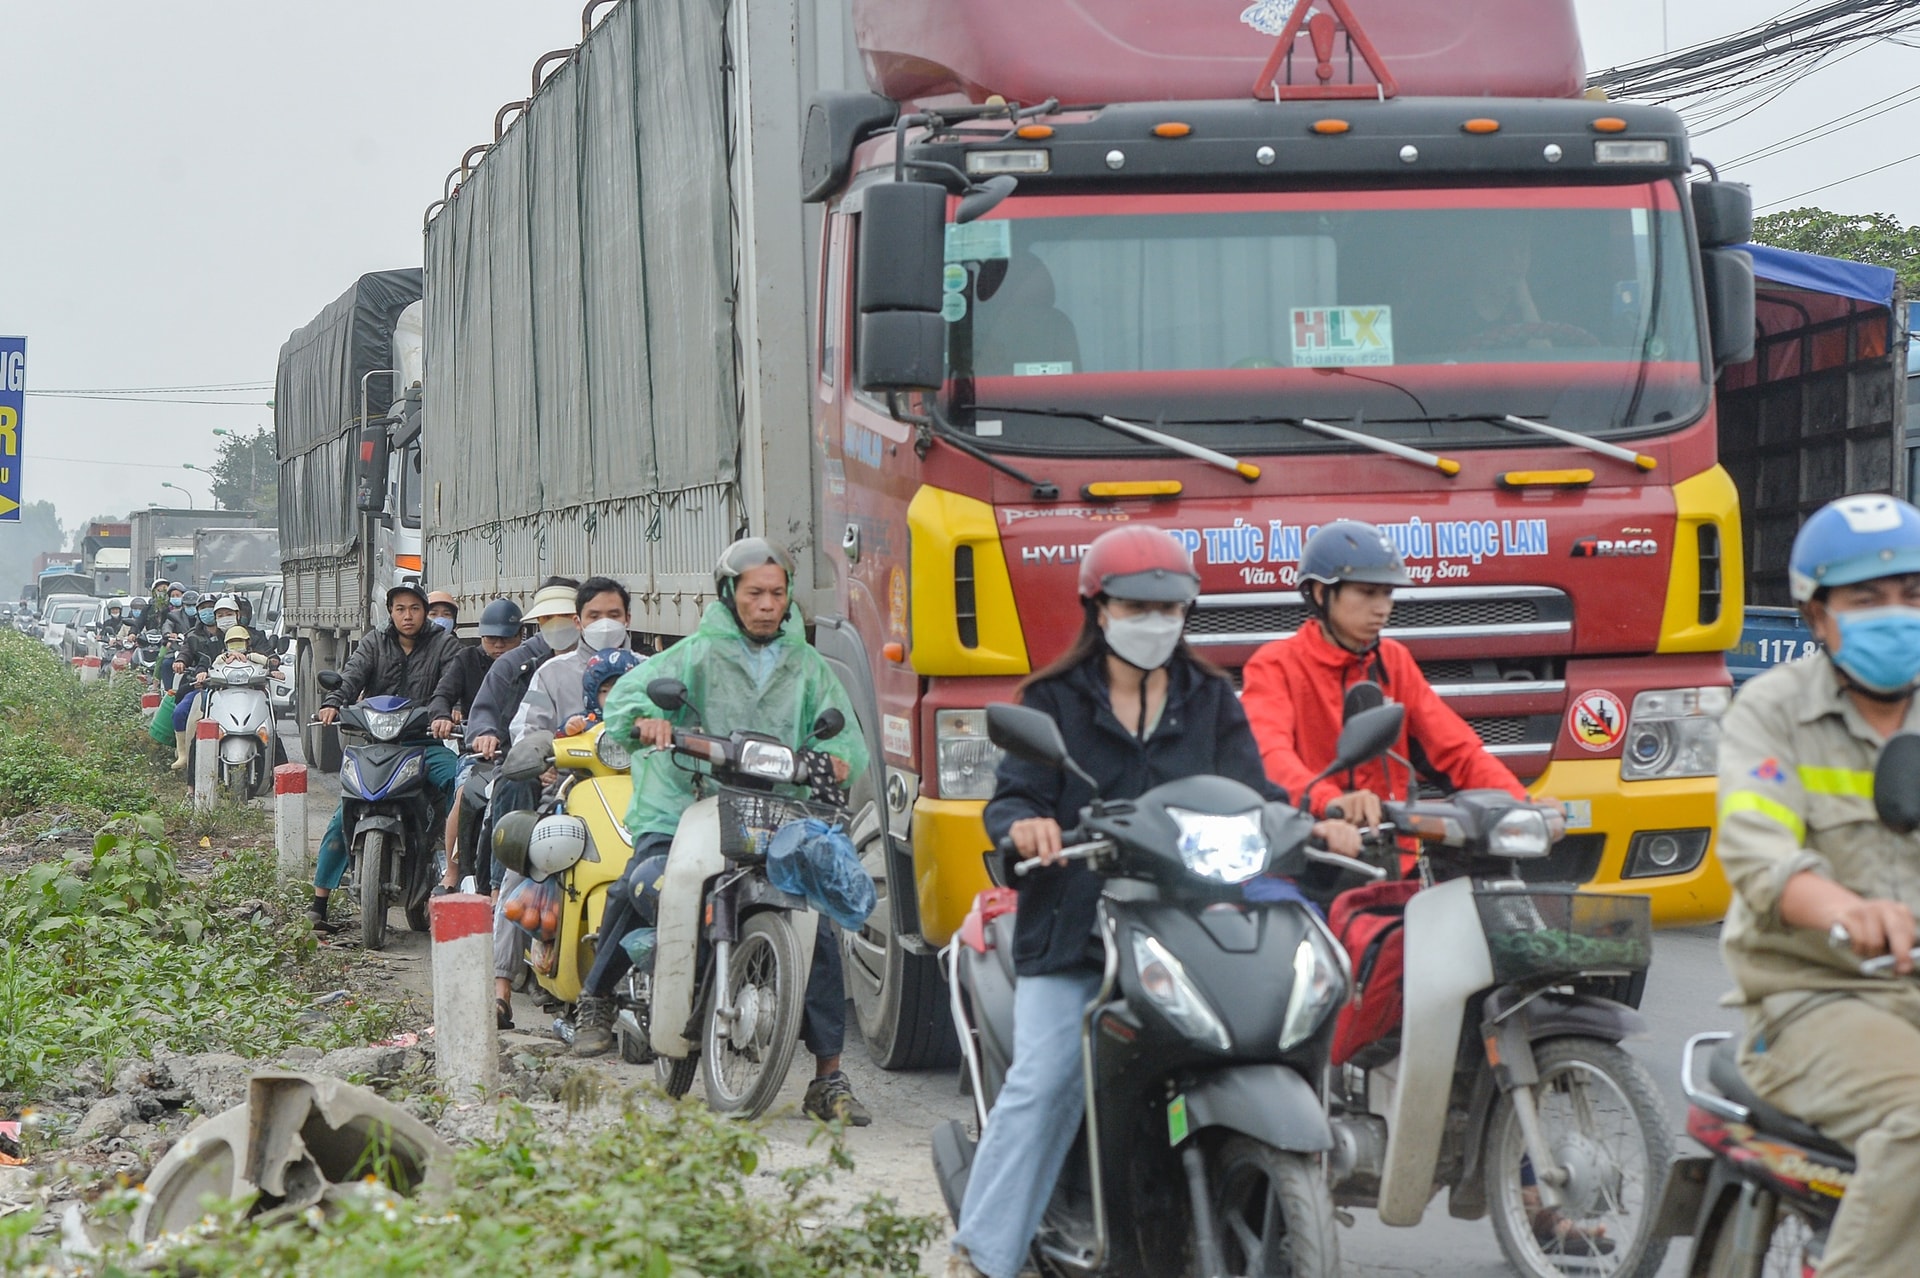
1205	1050
236	695
1763	1198
1528	1108
732	951
389	809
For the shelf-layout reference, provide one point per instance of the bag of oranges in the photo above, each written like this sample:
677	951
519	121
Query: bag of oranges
534	908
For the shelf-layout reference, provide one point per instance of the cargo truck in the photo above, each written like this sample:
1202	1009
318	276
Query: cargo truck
162	541
346	429
1819	412
1223	269
224	555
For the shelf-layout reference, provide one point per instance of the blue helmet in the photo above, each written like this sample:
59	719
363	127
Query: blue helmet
1854	539
609	663
501	620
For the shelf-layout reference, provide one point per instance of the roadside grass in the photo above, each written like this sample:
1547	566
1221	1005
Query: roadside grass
65	744
663	1194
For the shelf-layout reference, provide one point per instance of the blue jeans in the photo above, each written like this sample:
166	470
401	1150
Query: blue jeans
1031	1125
331	865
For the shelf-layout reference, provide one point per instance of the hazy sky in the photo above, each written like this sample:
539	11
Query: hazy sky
184	183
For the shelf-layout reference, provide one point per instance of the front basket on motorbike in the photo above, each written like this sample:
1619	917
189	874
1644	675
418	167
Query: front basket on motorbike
1544	931
750	818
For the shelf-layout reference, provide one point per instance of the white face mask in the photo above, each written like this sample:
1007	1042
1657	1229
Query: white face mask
560	633
1147	640
604	634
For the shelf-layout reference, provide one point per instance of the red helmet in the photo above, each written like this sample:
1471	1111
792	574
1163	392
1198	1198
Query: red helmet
1139	562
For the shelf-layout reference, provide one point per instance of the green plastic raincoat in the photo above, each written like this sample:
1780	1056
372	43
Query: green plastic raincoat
779	689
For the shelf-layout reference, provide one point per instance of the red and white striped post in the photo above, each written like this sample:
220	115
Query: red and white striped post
206	763
149	705
89	669
290	822
466	1037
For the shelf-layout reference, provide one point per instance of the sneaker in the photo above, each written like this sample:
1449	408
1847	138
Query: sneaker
831	1100
593	1026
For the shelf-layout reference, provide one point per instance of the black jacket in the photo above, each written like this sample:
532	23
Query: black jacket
1202	732
200	646
461	683
380	667
504	688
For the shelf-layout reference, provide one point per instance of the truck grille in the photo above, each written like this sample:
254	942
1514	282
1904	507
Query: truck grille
1418	613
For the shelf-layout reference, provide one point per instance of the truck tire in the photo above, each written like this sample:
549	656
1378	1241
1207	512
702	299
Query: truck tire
319	743
899	997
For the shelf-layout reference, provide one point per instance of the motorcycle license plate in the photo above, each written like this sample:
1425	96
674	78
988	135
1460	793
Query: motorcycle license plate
1176	1120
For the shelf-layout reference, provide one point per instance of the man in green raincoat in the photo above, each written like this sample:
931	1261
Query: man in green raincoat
747	666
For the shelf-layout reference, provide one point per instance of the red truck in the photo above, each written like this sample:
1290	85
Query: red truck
1237	269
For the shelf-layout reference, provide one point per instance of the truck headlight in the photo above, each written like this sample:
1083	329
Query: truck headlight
966	759
1673	732
1173	993
1319	985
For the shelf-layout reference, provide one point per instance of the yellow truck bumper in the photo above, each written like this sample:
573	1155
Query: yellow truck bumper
1620	809
949	840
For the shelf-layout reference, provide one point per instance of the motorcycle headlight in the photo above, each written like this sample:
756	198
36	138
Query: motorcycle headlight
1521	833
1320	983
966	759
409	770
611	753
385	725
765	759
1673	732
1225	849
1167	986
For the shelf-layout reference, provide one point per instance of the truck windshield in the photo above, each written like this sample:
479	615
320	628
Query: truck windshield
1427	312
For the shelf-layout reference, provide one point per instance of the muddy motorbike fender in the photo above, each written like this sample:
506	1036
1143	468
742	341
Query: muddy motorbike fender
694	858
1447	964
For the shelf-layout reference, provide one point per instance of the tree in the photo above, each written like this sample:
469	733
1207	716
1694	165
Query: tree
37	530
247	474
1875	238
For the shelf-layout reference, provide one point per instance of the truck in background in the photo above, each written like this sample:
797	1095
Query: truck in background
1819	412
161	541
346	429
224	555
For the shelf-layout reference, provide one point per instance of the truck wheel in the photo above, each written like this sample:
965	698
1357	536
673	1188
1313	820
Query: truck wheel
899	997
320	744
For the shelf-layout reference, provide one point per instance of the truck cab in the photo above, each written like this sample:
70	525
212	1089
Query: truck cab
1238	274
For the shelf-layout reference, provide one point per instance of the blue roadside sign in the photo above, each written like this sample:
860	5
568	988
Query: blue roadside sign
13	402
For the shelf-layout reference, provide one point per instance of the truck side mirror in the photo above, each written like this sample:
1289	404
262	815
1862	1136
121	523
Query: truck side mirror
903	340
370	461
1722	213
1728	277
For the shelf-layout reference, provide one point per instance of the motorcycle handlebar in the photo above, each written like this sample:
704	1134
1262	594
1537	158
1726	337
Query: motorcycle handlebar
1882	965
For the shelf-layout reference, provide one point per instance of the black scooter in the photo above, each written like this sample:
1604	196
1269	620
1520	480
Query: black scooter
1205	1050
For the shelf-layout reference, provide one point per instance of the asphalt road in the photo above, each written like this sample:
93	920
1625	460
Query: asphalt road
1682	998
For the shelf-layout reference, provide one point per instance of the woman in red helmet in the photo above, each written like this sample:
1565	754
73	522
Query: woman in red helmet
1140	708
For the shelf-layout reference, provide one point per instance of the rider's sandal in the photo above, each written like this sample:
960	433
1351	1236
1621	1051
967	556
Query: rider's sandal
1566	1237
503	1013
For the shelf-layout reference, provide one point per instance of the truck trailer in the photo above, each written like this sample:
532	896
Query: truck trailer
162	541
1220	270
346	431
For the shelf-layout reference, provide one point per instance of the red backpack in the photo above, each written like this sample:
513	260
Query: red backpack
1371	923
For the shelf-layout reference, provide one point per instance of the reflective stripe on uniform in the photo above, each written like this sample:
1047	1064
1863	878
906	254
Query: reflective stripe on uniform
1844	781
1772	809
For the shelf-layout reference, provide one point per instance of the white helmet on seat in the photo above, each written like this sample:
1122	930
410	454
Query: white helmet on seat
557	842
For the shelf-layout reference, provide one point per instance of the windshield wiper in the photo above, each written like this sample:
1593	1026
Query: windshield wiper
1578	440
1246	470
1432	461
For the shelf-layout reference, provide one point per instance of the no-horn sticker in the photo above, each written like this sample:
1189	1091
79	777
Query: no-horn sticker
1597	720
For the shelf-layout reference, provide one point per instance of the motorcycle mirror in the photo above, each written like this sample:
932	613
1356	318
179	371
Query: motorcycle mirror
1026	734
1367	735
1896	783
1361	697
329	679
829	724
669	694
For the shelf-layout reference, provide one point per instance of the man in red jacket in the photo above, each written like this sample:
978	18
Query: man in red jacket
1295	688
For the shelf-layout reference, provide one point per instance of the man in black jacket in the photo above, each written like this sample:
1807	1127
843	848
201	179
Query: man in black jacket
453	700
405	659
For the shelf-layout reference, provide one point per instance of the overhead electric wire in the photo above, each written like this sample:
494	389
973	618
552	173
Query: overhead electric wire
157	399
1841	181
1836	125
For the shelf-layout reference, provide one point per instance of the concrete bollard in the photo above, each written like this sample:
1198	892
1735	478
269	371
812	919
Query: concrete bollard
467	1039
89	669
206	764
149	705
290	822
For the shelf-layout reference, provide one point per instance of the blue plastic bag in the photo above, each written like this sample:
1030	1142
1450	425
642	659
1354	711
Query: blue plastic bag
815	860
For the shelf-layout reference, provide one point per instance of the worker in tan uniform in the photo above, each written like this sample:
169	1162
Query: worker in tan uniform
1806	856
